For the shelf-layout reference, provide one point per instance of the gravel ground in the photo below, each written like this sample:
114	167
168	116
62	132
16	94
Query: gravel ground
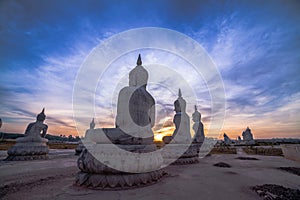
277	192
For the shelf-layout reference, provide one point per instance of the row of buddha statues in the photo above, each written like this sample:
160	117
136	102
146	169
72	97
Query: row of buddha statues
125	156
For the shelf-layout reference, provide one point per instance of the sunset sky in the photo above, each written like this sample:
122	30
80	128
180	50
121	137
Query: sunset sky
255	46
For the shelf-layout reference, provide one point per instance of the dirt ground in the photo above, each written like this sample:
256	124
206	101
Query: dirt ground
54	179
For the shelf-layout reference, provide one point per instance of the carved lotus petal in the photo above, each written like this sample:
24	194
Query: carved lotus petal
154	176
97	180
122	182
129	180
104	182
82	177
137	180
113	181
144	178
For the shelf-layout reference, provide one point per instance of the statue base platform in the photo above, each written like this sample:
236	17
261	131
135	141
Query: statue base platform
108	166
28	148
118	181
26	157
190	155
79	149
186	161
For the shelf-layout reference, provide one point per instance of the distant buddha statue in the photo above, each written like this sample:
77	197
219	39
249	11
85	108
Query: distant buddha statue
239	138
248	136
180	148
37	128
88	132
136	106
92	124
181	121
33	145
198	127
227	140
89	136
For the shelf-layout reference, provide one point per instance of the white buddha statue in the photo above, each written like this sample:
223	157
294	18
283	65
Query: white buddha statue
182	121
136	106
198	127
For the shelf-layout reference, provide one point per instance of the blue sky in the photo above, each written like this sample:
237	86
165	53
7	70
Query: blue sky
255	46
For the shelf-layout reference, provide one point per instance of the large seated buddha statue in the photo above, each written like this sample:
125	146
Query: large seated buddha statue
124	156
136	107
135	111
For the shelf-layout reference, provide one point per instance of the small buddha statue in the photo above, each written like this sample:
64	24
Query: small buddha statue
227	140
247	135
38	128
181	120
239	138
89	136
89	132
92	124
33	145
197	127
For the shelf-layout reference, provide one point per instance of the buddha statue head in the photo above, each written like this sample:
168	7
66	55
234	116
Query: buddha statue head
92	124
196	115
138	76
41	117
180	103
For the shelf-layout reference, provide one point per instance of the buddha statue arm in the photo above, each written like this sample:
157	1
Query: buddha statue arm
152	115
27	131
119	110
123	107
44	130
